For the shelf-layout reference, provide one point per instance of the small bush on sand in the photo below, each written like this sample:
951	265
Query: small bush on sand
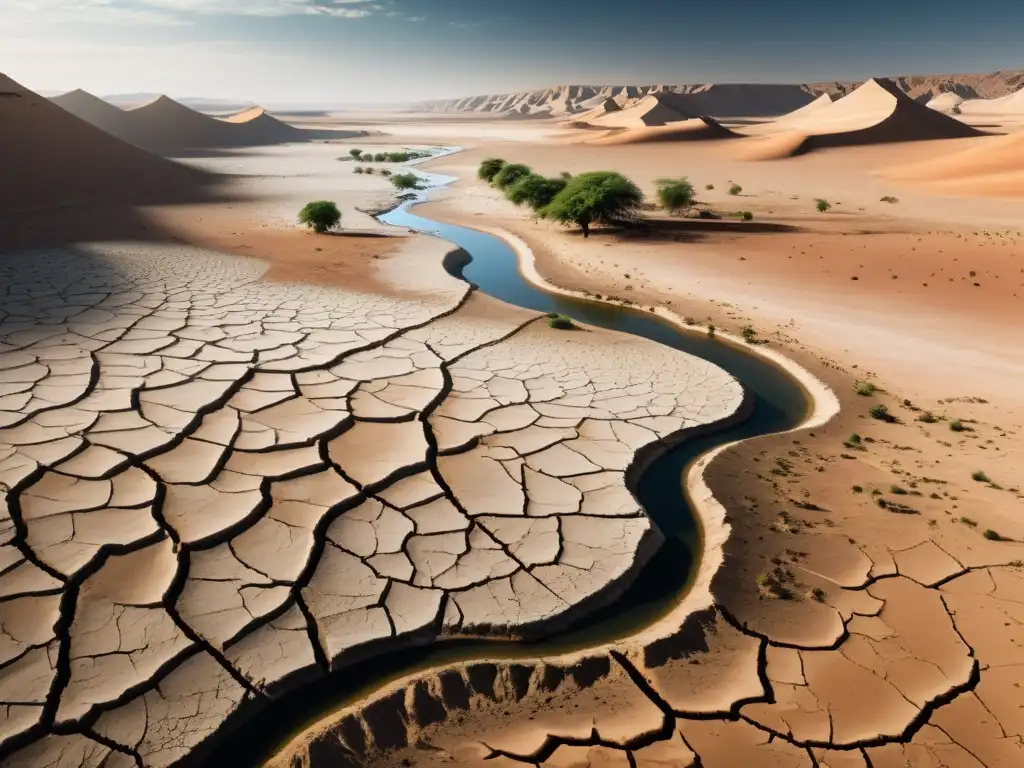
735	189
675	195
356	153
535	190
369	171
749	334
991	535
881	413
711	331
928	417
898	490
359	169
405	181
489	169
889	199
380	157
822	205
745	215
510	174
385	172
598	197
320	216
858	489
709	187
865	388
957	426
561	322
979	477
853	441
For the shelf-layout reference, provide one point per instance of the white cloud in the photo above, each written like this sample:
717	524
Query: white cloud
171	11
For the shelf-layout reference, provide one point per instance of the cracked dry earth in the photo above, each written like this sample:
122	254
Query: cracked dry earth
216	488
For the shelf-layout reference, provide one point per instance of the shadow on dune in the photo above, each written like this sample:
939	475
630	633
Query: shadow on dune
688	230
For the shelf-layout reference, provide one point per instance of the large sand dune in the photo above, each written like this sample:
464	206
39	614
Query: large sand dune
878	112
51	158
946	102
695	129
1012	104
656	109
992	166
166	126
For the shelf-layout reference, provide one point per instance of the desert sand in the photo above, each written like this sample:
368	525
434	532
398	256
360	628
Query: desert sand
247	455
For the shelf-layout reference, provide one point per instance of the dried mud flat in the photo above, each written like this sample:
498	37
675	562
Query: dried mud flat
216	487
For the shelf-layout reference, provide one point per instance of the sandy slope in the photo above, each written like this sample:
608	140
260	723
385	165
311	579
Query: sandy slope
991	166
695	129
656	109
877	112
51	158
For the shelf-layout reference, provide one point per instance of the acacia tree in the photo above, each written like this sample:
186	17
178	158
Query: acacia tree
320	216
510	174
675	195
406	181
489	169
598	197
356	153
535	190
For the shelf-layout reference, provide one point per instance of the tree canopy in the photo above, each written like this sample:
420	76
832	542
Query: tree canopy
406	181
356	153
675	195
510	173
320	216
489	168
598	197
535	190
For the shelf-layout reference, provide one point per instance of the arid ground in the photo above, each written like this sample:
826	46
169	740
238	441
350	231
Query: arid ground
236	456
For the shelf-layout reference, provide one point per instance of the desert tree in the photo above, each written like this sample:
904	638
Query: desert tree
510	174
406	181
356	153
598	197
535	190
320	216
489	169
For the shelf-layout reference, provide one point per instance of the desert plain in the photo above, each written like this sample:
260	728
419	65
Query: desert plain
240	459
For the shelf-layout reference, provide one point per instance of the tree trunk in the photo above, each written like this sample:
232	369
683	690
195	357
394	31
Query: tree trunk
585	226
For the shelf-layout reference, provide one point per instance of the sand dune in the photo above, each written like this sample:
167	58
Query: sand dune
52	158
696	129
656	109
946	102
166	126
1006	105
819	103
991	166
878	112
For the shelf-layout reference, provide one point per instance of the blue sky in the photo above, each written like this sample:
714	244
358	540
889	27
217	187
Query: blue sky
336	51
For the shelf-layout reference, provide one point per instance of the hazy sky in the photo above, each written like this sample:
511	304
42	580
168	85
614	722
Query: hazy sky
337	51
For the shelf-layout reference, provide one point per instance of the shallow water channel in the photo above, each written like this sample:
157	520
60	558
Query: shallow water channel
779	403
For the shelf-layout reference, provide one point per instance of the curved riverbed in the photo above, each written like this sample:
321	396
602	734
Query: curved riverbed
778	403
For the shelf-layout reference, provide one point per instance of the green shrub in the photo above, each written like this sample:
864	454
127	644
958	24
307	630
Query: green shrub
865	388
735	189
889	199
854	440
320	216
822	205
359	169
957	426
510	174
385	172
881	413
711	331
979	477
858	489
749	334
406	181
355	153
928	417
598	197
675	195
745	215
489	169
991	535
897	490
561	322
709	187
535	190
380	157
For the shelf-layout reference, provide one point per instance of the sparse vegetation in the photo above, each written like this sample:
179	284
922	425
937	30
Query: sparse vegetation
535	190
749	334
957	426
509	174
928	417
709	187
321	216
881	413
380	157
745	215
489	169
979	477
969	522
853	441
858	489
865	388
822	205
385	172
355	153
818	594
897	490
711	330
889	199
735	189
560	322
675	195
359	169
991	535
406	181
598	197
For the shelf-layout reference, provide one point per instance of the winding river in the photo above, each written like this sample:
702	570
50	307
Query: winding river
779	403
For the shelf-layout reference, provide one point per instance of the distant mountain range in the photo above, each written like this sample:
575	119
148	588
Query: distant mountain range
720	99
